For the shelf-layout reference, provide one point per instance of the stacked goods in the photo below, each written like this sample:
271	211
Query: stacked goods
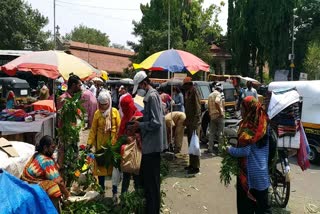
13	115
285	116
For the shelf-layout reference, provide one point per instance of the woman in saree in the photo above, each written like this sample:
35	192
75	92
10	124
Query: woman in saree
43	170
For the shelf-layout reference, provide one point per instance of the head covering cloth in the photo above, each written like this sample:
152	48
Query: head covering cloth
105	98
129	111
253	128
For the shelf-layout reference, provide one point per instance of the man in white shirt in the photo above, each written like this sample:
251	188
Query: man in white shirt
250	91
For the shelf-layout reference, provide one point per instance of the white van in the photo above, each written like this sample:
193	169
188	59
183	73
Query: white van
310	92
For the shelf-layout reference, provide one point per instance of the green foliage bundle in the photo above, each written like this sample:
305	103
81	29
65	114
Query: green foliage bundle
111	152
229	165
70	115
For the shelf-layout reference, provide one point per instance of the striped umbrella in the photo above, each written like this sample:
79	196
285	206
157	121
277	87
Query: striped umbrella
173	61
51	64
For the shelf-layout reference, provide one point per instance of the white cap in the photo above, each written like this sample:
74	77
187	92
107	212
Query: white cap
138	78
219	85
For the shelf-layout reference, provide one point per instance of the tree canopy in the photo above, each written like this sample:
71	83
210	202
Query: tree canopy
312	60
192	28
88	35
259	32
308	31
21	27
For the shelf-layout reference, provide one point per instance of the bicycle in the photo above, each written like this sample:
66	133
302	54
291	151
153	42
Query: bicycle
279	178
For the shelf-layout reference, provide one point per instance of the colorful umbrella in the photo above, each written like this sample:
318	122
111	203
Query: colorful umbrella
173	61
51	64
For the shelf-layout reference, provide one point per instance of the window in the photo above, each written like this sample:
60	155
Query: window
204	91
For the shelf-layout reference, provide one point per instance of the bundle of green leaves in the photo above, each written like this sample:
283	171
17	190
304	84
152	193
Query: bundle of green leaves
229	165
111	152
71	117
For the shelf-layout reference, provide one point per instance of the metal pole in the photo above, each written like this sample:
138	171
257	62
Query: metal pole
169	20
54	24
292	47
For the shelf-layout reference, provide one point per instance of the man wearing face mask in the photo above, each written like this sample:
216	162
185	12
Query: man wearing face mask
153	134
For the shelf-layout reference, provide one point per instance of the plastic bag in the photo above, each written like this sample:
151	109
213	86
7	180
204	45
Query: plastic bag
194	148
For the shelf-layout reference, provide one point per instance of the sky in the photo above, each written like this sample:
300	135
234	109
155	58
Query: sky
113	17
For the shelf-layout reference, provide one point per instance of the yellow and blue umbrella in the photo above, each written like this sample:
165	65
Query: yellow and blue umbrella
173	61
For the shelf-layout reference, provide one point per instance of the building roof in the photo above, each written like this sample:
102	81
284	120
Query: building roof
219	53
112	60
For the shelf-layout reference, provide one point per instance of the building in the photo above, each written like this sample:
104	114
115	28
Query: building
221	58
112	60
9	55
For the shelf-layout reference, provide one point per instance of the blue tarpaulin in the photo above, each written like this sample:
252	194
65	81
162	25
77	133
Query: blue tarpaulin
17	196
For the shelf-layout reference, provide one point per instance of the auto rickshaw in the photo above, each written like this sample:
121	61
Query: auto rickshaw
20	88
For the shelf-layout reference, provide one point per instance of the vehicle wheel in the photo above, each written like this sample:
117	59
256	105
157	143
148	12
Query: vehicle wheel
281	189
314	156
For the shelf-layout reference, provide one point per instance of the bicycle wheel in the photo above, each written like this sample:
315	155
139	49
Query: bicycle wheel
281	188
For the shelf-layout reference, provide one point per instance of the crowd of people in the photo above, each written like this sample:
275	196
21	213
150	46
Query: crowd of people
161	125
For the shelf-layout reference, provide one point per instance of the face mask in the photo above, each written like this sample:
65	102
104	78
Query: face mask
141	92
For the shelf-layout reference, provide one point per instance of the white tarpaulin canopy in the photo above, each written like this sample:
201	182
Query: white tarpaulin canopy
281	100
310	92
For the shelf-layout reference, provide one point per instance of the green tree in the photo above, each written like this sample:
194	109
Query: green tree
308	30
312	60
118	46
192	28
21	27
88	35
259	32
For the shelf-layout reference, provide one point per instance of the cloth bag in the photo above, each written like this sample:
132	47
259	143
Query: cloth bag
131	157
194	148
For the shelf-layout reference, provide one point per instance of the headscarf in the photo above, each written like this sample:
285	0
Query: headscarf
120	108
129	111
254	122
104	98
253	128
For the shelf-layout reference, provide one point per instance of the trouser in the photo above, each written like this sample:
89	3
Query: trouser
178	135
116	178
247	206
150	180
194	161
216	132
126	182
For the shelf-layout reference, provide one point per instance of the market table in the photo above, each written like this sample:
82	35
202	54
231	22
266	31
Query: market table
30	132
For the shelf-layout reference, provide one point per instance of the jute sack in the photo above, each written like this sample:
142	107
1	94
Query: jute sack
131	157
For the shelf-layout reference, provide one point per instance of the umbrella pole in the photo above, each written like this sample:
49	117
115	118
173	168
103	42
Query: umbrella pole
54	107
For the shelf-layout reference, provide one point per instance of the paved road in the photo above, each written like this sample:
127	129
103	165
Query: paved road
205	194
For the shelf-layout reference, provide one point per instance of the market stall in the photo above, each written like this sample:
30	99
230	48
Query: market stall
30	132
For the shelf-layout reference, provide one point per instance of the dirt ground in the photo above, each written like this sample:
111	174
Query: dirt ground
203	193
